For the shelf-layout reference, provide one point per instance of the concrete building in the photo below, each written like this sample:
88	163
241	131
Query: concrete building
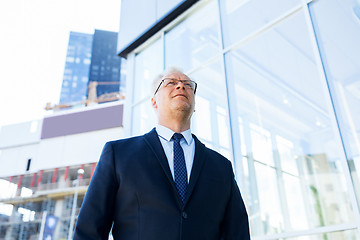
41	160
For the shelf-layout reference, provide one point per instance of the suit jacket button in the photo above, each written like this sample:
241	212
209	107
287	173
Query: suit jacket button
184	215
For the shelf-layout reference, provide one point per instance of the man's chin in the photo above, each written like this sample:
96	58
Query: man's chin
183	106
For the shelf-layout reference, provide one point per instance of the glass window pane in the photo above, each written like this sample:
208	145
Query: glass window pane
340	235
269	202
165	6
210	120
261	144
144	118
243	17
293	151
148	64
194	40
337	28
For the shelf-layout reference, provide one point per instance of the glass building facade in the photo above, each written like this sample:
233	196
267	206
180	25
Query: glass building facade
279	95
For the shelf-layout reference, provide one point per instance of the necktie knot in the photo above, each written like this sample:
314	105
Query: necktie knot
177	136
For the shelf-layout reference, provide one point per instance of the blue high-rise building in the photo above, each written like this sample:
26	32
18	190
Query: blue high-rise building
76	73
105	63
91	58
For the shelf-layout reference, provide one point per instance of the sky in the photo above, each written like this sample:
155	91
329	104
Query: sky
33	45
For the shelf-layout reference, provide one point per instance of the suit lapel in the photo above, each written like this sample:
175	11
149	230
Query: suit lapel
154	143
199	160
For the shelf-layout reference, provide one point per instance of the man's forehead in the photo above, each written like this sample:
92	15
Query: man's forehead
177	75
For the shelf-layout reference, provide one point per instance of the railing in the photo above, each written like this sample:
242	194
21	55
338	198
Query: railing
60	185
42	188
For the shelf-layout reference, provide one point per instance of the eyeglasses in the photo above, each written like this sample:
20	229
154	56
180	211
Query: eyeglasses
171	82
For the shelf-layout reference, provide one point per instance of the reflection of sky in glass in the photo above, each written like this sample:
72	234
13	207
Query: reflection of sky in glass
287	127
148	64
194	40
287	157
295	202
268	198
261	145
144	118
250	16
277	81
203	124
222	123
210	120
337	27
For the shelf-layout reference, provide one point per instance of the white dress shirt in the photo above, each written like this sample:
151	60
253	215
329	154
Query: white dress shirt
187	143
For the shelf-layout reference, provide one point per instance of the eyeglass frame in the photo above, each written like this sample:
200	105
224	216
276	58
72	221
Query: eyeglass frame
180	80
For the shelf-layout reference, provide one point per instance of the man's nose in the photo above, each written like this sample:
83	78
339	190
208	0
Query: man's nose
179	85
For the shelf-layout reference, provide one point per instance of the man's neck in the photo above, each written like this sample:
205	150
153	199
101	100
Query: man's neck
176	126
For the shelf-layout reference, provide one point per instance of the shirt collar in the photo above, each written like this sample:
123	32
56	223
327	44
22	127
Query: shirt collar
167	134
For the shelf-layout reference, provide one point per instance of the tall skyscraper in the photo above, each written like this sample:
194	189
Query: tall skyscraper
105	64
76	73
92	68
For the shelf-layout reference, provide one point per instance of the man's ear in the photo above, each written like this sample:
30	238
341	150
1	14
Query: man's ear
153	102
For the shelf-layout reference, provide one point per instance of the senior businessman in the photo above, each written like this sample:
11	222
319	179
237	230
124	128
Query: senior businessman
164	185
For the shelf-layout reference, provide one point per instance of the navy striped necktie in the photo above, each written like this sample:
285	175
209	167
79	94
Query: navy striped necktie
180	173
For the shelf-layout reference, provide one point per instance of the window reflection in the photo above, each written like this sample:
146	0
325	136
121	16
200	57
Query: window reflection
292	151
203	112
292	178
339	235
144	118
261	145
210	121
338	35
148	64
194	40
250	16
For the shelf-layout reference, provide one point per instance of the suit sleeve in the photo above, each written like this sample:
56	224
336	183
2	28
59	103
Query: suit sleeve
235	225
96	214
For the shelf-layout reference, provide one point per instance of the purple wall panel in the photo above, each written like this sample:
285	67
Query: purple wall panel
85	121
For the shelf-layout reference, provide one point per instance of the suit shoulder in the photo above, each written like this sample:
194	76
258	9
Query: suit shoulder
126	143
125	140
132	140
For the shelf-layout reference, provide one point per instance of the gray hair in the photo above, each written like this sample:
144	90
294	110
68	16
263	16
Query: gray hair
160	76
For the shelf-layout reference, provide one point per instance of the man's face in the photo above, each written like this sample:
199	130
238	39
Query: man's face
173	99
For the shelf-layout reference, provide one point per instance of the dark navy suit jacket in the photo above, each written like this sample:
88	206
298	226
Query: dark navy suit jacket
133	192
